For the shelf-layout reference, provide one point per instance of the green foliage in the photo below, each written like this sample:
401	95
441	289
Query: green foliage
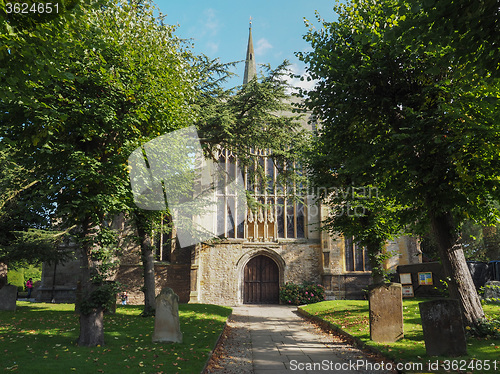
245	118
104	97
26	234
305	293
89	97
80	92
16	278
389	113
19	276
34	272
470	27
486	328
489	300
102	296
410	120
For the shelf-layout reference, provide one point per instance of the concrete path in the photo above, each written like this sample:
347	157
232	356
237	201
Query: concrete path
275	339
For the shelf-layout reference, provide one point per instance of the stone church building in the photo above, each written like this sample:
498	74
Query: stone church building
274	245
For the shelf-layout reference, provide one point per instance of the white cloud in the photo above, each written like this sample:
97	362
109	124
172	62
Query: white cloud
300	78
262	46
211	22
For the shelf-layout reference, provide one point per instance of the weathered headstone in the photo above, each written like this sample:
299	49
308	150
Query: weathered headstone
444	332
492	291
167	324
34	292
8	297
386	312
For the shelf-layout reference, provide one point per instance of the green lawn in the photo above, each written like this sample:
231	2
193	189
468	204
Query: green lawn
40	338
352	317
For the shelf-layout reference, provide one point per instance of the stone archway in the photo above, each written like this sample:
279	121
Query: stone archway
261	281
252	252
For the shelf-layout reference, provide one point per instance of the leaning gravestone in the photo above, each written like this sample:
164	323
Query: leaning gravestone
444	332
386	312
167	324
8	297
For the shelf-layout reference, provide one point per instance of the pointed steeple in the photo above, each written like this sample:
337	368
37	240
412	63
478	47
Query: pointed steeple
250	65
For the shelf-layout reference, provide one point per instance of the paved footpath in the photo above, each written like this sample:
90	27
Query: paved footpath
275	339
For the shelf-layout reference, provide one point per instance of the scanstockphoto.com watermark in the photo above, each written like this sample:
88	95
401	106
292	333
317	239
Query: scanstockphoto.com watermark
427	366
352	201
343	193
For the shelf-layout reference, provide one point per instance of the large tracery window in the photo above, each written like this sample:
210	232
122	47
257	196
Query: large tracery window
227	203
279	212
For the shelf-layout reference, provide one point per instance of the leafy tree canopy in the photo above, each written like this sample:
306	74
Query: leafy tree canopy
413	121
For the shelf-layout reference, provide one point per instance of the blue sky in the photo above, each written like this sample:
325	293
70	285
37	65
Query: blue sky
219	28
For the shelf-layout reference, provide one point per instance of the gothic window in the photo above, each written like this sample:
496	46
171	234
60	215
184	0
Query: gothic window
356	256
278	212
227	203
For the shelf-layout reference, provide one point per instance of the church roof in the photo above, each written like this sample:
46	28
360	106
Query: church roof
250	65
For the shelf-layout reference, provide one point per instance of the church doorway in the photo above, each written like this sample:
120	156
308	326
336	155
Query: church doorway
261	281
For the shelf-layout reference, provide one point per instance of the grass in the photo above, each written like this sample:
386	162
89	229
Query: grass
40	338
351	316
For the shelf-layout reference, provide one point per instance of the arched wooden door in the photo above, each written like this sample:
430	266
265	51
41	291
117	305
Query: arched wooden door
261	281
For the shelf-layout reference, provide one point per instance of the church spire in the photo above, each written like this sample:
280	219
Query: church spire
250	66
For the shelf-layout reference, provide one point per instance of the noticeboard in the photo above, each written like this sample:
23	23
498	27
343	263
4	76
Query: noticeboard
425	279
405	278
407	291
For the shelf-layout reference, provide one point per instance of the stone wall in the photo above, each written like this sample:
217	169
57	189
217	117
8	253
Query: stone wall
62	288
221	267
215	274
174	276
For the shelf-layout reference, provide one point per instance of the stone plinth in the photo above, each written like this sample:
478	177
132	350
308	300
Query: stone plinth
167	324
443	329
386	312
8	297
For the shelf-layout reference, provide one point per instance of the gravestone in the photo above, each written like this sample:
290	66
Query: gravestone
34	291
8	297
386	312
492	291
444	332
167	324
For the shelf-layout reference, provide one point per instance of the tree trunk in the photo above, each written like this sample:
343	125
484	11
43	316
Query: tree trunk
460	284
92	328
149	276
376	261
147	256
91	322
491	242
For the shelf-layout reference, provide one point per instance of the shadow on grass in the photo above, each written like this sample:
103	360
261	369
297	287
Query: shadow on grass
40	338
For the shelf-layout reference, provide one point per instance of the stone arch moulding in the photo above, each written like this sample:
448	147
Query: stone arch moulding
252	253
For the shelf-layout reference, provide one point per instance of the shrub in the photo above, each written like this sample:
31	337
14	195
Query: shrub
19	276
492	300
305	293
486	328
16	278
